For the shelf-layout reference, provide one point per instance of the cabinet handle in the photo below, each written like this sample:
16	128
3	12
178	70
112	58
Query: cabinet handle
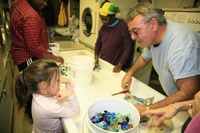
4	92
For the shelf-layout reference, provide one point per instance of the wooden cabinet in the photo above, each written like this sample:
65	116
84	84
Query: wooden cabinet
6	90
6	74
6	104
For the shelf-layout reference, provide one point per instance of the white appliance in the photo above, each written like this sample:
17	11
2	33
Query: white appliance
172	3
186	16
90	22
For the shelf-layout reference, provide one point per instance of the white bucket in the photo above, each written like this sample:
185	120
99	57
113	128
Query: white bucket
112	105
80	69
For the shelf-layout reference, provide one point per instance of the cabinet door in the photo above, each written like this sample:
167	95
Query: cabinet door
3	43
6	105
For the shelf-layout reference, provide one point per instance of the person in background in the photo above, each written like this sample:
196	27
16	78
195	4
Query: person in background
41	79
29	33
175	54
167	112
113	44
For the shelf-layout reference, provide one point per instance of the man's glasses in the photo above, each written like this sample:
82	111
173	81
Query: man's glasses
135	31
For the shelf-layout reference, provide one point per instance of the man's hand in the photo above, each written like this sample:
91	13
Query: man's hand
117	68
126	81
59	59
161	114
96	58
63	94
141	108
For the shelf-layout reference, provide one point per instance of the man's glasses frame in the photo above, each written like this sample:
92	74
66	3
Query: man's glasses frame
135	31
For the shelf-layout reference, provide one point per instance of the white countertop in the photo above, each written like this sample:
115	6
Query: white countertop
105	83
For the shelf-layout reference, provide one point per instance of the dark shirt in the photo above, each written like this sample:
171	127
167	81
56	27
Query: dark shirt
114	44
28	32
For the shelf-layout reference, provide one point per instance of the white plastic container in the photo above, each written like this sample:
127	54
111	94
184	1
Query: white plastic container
80	70
54	49
112	105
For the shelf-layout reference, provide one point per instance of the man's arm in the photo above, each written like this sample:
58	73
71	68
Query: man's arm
139	64
188	87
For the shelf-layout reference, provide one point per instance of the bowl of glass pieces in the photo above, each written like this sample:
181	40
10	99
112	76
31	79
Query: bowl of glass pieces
110	115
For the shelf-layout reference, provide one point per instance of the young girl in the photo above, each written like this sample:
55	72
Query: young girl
42	80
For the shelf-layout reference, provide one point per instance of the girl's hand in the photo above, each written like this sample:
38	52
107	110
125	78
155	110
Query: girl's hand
160	115
64	80
63	94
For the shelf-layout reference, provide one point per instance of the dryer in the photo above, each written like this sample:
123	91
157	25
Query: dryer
90	22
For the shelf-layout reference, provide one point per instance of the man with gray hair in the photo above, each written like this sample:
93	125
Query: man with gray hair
174	50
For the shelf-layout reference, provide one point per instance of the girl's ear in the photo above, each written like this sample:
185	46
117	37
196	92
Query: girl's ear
42	86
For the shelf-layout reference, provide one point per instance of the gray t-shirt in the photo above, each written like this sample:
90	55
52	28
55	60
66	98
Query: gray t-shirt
177	57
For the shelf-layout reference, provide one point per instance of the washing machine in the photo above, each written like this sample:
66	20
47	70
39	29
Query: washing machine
90	22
